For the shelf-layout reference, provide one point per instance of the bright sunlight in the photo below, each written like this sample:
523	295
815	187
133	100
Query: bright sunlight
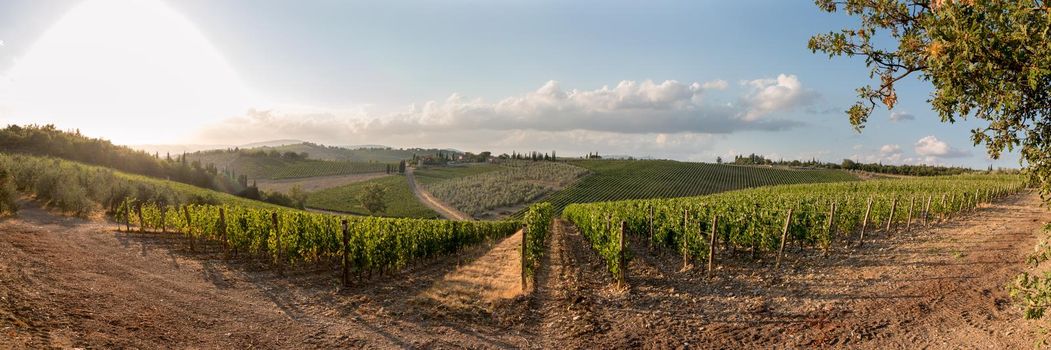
129	65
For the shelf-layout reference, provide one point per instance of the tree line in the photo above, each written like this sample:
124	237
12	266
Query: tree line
847	164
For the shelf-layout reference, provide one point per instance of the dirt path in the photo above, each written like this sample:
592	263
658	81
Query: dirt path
490	279
445	210
67	282
940	289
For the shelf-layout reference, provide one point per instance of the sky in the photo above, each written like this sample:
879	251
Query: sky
685	80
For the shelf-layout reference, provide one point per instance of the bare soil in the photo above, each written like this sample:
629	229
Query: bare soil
68	282
317	183
445	210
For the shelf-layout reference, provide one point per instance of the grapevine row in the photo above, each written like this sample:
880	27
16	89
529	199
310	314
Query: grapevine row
537	220
289	237
755	219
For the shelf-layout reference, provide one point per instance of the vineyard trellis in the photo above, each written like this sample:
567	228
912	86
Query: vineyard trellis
757	220
289	237
537	225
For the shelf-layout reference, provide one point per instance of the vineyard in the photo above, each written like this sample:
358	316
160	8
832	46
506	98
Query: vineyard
613	180
365	245
764	220
259	165
515	183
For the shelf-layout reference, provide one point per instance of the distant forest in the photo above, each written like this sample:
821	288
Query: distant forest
847	164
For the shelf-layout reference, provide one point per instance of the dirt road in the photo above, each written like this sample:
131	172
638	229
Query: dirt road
68	282
445	210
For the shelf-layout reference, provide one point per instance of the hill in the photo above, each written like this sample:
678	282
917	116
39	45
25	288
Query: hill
48	140
644	179
84	190
272	164
399	199
371	154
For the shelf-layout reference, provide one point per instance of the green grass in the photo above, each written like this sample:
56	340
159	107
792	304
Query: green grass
400	200
643	179
427	176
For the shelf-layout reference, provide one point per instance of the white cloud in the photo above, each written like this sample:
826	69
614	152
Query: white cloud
890	149
784	93
931	146
630	107
898	116
716	85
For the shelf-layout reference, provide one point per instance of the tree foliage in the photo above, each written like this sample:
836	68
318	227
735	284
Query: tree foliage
989	60
372	198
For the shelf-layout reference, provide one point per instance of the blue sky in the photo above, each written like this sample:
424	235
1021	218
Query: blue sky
687	80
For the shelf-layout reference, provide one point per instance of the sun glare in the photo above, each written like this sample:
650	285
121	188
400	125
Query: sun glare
134	71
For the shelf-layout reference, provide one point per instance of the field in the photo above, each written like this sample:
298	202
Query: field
430	175
514	183
641	179
315	183
262	166
399	199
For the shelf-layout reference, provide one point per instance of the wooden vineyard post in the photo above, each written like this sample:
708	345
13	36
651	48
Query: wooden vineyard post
865	223
908	222
890	219
711	244
952	203
784	237
831	225
685	237
164	226
127	219
620	256
189	227
277	242
976	199
142	223
222	232
346	253
649	239
944	207
525	232
927	211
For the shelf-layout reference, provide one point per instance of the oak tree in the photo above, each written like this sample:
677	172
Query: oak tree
989	60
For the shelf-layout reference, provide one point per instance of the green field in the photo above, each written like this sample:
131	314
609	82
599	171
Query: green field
257	166
431	175
644	179
400	200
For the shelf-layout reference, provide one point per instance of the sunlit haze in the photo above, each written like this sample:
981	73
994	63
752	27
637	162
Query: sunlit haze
130	70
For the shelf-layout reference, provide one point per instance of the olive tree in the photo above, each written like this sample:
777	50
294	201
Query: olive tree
989	60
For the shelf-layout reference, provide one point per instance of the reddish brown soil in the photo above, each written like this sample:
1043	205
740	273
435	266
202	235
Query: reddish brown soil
67	282
941	288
